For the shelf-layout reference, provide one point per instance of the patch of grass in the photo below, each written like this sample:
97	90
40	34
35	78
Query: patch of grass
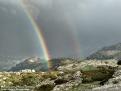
89	68
28	79
99	74
52	75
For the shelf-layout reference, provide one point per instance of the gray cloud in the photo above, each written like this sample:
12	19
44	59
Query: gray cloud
70	27
17	36
91	24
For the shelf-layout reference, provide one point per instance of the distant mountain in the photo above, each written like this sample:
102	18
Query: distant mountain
6	62
40	64
62	61
31	63
109	52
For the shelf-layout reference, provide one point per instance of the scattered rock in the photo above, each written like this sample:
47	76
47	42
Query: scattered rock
77	74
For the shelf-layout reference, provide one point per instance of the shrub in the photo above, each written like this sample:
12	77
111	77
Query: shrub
45	87
119	62
115	82
60	81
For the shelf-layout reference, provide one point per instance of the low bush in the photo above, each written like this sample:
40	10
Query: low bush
119	62
45	87
60	81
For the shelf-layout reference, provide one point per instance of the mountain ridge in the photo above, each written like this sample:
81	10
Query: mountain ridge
108	52
40	64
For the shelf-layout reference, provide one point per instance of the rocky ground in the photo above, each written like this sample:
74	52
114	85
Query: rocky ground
79	76
113	84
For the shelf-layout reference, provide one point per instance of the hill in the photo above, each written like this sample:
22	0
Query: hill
41	65
109	52
31	63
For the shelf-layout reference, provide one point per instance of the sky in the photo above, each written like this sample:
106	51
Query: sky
91	24
17	36
70	27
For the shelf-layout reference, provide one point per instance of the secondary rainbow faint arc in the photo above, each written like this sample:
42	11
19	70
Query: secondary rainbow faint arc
39	34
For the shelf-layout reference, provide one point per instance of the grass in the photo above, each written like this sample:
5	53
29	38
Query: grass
89	68
97	74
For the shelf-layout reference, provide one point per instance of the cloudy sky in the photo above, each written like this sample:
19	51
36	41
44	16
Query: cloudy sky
70	27
17	36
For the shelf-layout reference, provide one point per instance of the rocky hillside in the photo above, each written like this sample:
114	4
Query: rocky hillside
31	63
109	52
75	76
62	61
41	65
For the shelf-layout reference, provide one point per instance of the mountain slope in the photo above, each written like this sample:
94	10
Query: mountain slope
31	63
41	65
109	52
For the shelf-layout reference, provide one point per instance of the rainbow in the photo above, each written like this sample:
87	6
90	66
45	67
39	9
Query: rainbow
38	33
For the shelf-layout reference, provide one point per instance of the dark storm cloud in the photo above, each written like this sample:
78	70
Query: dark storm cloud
66	24
17	36
96	23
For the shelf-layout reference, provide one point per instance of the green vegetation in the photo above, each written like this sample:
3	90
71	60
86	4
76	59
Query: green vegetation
89	68
30	80
119	62
100	73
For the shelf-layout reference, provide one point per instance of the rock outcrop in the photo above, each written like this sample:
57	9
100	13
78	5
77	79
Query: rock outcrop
113	84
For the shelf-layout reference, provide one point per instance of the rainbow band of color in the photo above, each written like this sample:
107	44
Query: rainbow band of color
39	34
